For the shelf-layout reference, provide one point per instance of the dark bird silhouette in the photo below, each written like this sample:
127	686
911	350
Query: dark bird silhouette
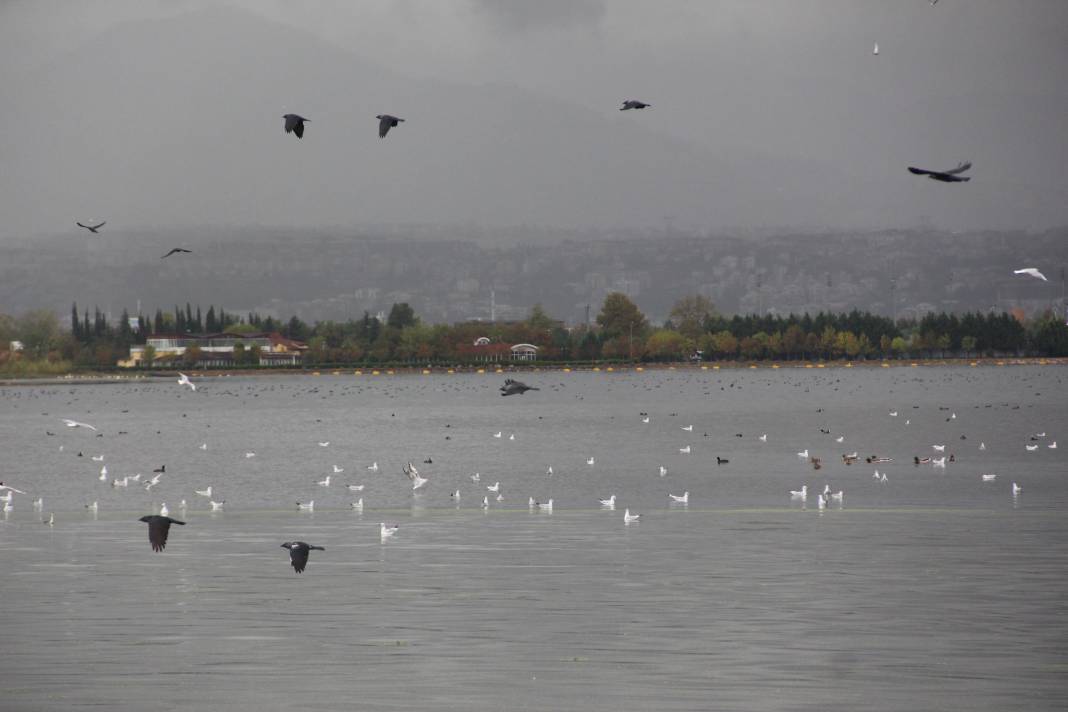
298	554
158	528
174	250
385	123
295	124
92	228
161	468
511	387
634	104
951	176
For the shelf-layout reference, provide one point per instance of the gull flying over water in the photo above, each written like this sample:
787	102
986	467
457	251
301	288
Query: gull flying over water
158	528
385	123
5	487
298	554
1032	271
76	424
295	124
950	176
413	475
512	387
92	228
175	250
183	380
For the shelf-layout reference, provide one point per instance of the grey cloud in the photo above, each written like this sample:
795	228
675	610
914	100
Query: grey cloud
528	15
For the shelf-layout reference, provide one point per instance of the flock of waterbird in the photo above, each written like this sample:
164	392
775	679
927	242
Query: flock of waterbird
159	524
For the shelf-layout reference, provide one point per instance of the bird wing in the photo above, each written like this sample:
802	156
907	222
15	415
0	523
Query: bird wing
383	125
961	167
921	171
158	528
170	253
299	129
298	556
95	227
291	122
80	225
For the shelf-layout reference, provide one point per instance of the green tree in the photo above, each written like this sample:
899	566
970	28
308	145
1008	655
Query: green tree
252	358
539	319
38	331
667	345
239	353
619	315
148	356
690	314
401	315
968	343
191	355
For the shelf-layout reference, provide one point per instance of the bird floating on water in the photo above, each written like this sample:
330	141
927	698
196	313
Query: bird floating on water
204	492
683	498
629	518
385	531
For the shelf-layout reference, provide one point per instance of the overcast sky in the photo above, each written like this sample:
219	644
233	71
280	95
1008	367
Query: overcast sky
150	112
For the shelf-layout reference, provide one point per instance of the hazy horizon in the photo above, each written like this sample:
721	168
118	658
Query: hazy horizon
771	115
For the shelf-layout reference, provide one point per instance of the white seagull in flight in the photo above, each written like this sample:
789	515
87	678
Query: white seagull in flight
183	380
1032	271
76	424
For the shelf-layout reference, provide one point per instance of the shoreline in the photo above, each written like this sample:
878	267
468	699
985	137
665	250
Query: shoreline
96	377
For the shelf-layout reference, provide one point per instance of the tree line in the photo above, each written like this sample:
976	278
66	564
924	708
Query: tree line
694	330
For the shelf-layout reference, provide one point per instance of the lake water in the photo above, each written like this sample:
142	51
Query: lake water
934	590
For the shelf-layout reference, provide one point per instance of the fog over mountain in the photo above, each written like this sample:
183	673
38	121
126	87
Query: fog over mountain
450	274
151	114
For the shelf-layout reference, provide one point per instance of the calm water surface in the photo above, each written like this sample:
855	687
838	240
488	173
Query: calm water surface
933	590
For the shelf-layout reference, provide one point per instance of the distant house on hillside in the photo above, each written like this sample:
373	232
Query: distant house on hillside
217	350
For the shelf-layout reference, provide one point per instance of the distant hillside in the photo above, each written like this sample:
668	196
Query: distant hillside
339	273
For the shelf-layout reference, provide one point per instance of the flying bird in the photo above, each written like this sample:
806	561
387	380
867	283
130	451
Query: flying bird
158	528
295	124
174	250
1032	271
183	380
634	104
951	176
512	387
385	123
92	228
413	475
76	424
298	553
